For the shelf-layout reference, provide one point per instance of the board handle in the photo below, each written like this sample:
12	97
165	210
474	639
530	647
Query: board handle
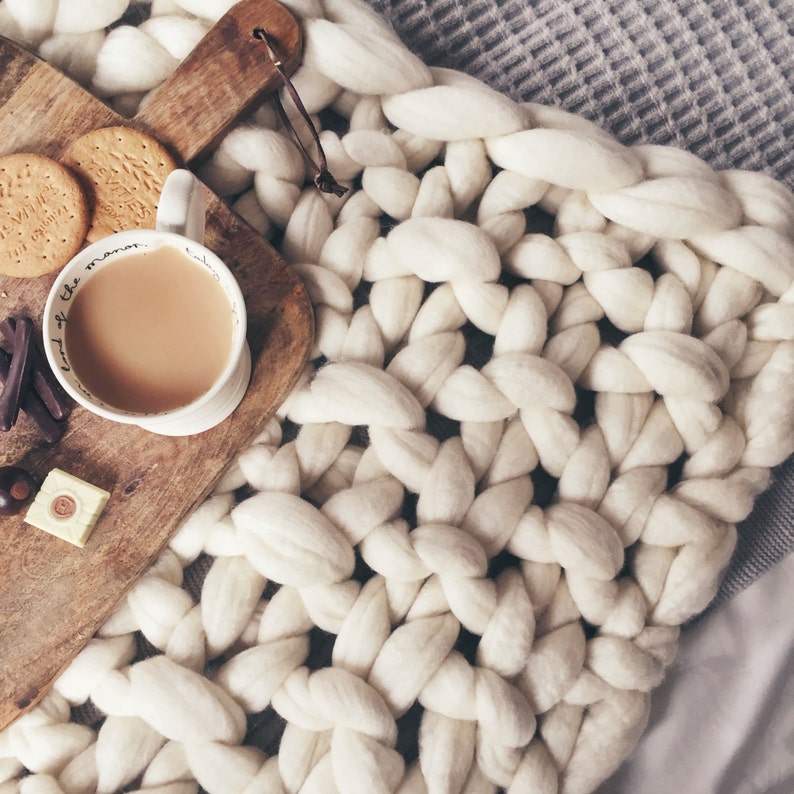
219	81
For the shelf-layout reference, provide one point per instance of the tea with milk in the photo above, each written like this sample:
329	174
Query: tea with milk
151	331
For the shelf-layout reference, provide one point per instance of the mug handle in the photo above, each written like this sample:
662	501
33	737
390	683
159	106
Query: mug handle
181	208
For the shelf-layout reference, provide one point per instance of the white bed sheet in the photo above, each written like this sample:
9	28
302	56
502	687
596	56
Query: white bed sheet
723	720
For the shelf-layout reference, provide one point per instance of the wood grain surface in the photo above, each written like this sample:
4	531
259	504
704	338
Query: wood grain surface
54	596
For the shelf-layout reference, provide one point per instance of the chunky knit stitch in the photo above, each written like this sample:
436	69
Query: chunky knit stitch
538	403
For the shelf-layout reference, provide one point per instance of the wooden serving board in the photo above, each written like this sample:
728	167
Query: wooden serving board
54	596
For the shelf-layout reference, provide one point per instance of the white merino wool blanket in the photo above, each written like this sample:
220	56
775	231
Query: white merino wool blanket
553	370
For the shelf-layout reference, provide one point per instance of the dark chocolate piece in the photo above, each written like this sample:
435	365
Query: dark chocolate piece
16	489
32	407
18	378
45	383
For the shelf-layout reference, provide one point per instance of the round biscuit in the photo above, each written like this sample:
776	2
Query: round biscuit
43	215
122	171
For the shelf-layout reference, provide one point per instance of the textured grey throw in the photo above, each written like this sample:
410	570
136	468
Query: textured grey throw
714	77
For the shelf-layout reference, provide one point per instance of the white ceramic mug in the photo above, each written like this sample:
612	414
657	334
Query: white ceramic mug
179	225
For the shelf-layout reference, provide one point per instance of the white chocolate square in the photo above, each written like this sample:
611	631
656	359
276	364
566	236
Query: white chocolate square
67	507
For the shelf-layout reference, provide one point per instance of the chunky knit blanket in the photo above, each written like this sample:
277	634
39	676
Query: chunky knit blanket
551	373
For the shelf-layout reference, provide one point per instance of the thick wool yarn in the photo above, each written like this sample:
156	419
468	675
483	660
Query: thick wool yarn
550	374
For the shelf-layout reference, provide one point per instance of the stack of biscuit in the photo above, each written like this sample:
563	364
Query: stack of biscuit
106	181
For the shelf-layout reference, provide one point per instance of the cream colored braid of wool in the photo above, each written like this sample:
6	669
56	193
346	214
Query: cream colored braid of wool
523	636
